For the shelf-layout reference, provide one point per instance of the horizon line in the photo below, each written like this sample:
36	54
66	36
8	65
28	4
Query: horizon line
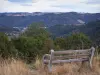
52	12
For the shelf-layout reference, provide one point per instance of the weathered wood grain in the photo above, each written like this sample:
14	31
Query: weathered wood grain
70	57
72	51
50	61
91	57
65	61
57	57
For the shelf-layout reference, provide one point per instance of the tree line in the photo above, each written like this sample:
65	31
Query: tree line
36	40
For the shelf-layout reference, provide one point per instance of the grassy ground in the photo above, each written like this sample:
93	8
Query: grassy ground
18	67
14	67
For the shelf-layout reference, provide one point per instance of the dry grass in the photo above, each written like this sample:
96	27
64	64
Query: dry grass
13	67
17	67
70	69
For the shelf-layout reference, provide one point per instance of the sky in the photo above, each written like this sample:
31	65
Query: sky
87	6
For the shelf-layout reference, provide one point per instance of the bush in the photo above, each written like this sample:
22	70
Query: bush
75	41
6	47
29	47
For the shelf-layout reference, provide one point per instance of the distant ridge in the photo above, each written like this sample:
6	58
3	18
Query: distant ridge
23	19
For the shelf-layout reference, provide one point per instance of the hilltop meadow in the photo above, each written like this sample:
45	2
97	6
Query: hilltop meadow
23	55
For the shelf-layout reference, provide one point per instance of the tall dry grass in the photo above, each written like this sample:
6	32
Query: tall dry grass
14	67
70	68
18	67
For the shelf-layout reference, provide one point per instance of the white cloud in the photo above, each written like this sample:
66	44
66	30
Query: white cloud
93	2
49	6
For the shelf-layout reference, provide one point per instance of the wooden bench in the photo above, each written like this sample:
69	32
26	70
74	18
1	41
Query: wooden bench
56	57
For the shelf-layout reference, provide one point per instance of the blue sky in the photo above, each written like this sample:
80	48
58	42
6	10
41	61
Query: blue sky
91	6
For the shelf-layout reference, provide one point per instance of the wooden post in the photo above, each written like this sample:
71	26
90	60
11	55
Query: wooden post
43	63
91	58
50	62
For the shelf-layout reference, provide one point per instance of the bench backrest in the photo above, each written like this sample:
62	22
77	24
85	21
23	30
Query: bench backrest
71	54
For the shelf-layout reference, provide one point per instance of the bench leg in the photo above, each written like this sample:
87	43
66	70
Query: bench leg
50	67
91	58
90	64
